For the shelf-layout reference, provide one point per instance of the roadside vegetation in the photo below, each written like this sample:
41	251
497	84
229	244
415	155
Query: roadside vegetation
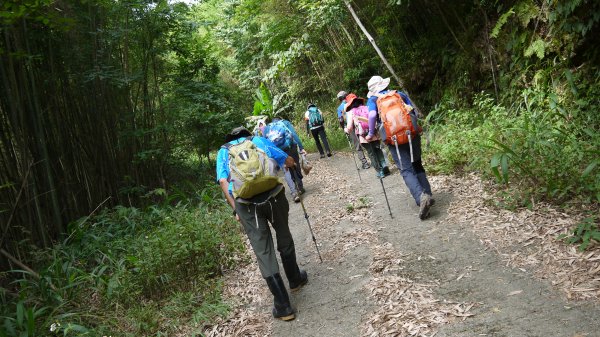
111	113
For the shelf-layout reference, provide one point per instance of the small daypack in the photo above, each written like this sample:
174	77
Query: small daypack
280	135
361	120
250	169
314	117
395	118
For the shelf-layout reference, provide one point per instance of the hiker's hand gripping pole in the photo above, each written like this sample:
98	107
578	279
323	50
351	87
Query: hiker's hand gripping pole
353	150
293	170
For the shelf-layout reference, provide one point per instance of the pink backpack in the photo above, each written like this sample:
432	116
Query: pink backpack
361	120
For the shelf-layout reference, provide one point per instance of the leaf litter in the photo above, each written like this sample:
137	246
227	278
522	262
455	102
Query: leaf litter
526	239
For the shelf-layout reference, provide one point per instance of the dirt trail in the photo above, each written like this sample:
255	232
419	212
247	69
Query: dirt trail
398	276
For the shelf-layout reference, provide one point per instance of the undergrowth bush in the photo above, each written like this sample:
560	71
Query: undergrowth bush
129	271
545	145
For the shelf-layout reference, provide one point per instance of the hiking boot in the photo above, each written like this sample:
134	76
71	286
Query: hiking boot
296	277
301	190
329	154
424	206
295	197
322	156
281	302
366	165
302	280
386	171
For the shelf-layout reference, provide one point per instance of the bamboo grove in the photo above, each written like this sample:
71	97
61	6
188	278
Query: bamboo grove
101	101
90	94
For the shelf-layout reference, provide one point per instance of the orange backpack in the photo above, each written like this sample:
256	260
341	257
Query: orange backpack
394	115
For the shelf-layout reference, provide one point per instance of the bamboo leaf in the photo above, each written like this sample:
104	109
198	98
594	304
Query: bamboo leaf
504	163
589	169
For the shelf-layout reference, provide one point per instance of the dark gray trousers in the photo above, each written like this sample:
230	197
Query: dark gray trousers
255	219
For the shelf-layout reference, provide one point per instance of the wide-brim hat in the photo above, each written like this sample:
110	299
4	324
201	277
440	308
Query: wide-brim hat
377	84
351	98
236	133
342	95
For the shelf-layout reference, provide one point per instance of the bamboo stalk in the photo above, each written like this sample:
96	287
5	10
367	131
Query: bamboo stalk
14	208
20	264
385	61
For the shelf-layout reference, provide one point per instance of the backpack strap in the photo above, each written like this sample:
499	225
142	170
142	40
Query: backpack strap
227	145
379	95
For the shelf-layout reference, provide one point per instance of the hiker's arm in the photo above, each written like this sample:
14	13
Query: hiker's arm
225	188
223	174
295	136
372	106
349	122
307	128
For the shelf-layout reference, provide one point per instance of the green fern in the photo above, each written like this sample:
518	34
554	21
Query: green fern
501	21
538	47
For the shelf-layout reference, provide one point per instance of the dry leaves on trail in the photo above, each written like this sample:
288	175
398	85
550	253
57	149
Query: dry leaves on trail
385	260
408	308
349	241
526	239
241	323
244	290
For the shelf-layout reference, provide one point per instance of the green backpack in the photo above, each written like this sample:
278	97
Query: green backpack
250	169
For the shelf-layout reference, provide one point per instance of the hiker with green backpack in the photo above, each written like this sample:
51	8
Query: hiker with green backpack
401	132
315	124
247	173
282	133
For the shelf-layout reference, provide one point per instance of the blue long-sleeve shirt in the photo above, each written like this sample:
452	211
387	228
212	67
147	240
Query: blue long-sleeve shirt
341	112
262	143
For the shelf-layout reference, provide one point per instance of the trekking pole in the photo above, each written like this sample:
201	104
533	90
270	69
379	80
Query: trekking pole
383	187
353	150
397	151
306	215
386	198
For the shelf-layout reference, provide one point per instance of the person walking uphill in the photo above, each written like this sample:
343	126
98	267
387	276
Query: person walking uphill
402	135
316	125
282	133
357	124
341	112
246	171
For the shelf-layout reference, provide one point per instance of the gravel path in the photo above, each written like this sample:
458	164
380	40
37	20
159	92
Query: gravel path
400	276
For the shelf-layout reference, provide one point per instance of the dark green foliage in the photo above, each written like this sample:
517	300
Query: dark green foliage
585	233
148	264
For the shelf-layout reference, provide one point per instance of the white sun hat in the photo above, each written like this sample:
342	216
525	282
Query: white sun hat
377	84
